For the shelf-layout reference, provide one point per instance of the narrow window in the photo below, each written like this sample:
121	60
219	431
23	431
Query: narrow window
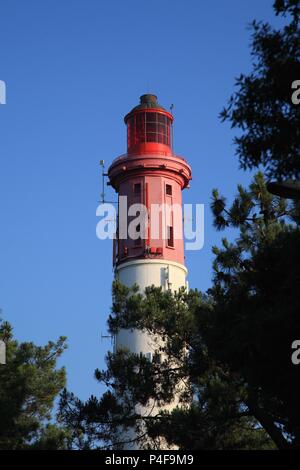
170	235
169	189
137	241
137	188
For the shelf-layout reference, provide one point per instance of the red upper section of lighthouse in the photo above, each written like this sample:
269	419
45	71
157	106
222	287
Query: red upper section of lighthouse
149	127
150	174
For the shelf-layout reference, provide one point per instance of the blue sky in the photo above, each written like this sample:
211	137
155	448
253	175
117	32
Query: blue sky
73	69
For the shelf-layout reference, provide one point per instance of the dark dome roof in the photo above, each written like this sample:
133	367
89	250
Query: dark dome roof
148	101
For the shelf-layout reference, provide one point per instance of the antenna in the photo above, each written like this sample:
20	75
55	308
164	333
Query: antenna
102	162
103	175
107	337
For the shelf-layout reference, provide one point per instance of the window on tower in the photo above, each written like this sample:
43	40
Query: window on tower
137	189
168	189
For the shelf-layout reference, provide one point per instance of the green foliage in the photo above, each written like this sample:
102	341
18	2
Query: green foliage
211	411
52	437
29	384
198	429
258	215
261	107
91	423
291	7
255	317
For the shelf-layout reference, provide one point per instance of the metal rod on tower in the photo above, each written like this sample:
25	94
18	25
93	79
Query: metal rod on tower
172	133
102	193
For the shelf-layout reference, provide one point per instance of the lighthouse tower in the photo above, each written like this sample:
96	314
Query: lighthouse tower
152	175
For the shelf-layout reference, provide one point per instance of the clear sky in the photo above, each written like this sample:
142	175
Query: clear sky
73	69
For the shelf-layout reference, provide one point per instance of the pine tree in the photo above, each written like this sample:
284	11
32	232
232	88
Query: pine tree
261	107
212	413
29	384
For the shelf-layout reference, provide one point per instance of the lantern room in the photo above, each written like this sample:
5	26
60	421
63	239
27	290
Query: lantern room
149	128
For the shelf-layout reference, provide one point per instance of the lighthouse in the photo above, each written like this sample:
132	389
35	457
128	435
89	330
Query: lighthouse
151	176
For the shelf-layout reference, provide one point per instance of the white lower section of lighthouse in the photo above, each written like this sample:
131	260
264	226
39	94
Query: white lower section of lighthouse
147	272
144	273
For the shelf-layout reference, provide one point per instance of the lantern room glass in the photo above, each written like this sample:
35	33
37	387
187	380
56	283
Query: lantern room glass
148	127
